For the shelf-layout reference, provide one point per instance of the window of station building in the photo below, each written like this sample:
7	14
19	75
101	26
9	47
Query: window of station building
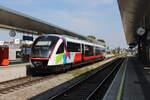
73	47
89	51
60	49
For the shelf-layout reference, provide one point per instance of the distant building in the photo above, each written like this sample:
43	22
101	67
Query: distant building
15	48
97	41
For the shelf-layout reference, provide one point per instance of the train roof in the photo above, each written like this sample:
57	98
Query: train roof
76	40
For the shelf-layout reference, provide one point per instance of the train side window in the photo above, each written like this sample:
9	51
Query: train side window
73	47
89	51
98	50
103	50
92	51
60	49
86	50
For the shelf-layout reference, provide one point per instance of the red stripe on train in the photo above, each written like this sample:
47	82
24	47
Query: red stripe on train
93	57
39	58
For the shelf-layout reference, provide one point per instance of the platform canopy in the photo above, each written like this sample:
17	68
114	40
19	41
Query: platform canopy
134	14
10	19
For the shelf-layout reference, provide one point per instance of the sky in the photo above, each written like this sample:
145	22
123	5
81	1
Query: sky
100	18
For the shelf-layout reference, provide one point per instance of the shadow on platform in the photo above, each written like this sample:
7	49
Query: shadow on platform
137	81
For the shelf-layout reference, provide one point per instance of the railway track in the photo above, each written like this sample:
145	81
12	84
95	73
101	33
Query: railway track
19	83
93	87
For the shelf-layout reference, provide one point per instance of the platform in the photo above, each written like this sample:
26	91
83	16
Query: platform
12	71
131	83
137	81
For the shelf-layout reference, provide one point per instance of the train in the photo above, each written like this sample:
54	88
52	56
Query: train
58	53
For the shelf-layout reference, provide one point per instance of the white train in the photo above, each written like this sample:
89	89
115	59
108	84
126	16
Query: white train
57	53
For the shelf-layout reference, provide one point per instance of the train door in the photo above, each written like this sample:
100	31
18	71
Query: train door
60	54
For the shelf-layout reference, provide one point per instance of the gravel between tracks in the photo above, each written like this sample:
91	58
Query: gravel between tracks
25	93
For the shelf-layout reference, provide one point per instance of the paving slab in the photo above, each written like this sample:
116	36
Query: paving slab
12	71
137	81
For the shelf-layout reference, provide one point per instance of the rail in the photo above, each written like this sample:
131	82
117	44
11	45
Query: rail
87	88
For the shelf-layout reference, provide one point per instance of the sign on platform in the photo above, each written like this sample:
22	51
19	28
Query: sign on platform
29	38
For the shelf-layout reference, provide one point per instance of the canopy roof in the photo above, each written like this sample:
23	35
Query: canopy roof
10	19
134	14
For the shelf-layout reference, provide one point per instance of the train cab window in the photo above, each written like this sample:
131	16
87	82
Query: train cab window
43	46
60	49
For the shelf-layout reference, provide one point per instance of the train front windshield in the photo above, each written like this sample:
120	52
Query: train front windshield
43	46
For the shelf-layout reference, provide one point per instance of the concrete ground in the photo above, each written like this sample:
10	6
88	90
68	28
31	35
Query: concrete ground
132	81
12	71
137	81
